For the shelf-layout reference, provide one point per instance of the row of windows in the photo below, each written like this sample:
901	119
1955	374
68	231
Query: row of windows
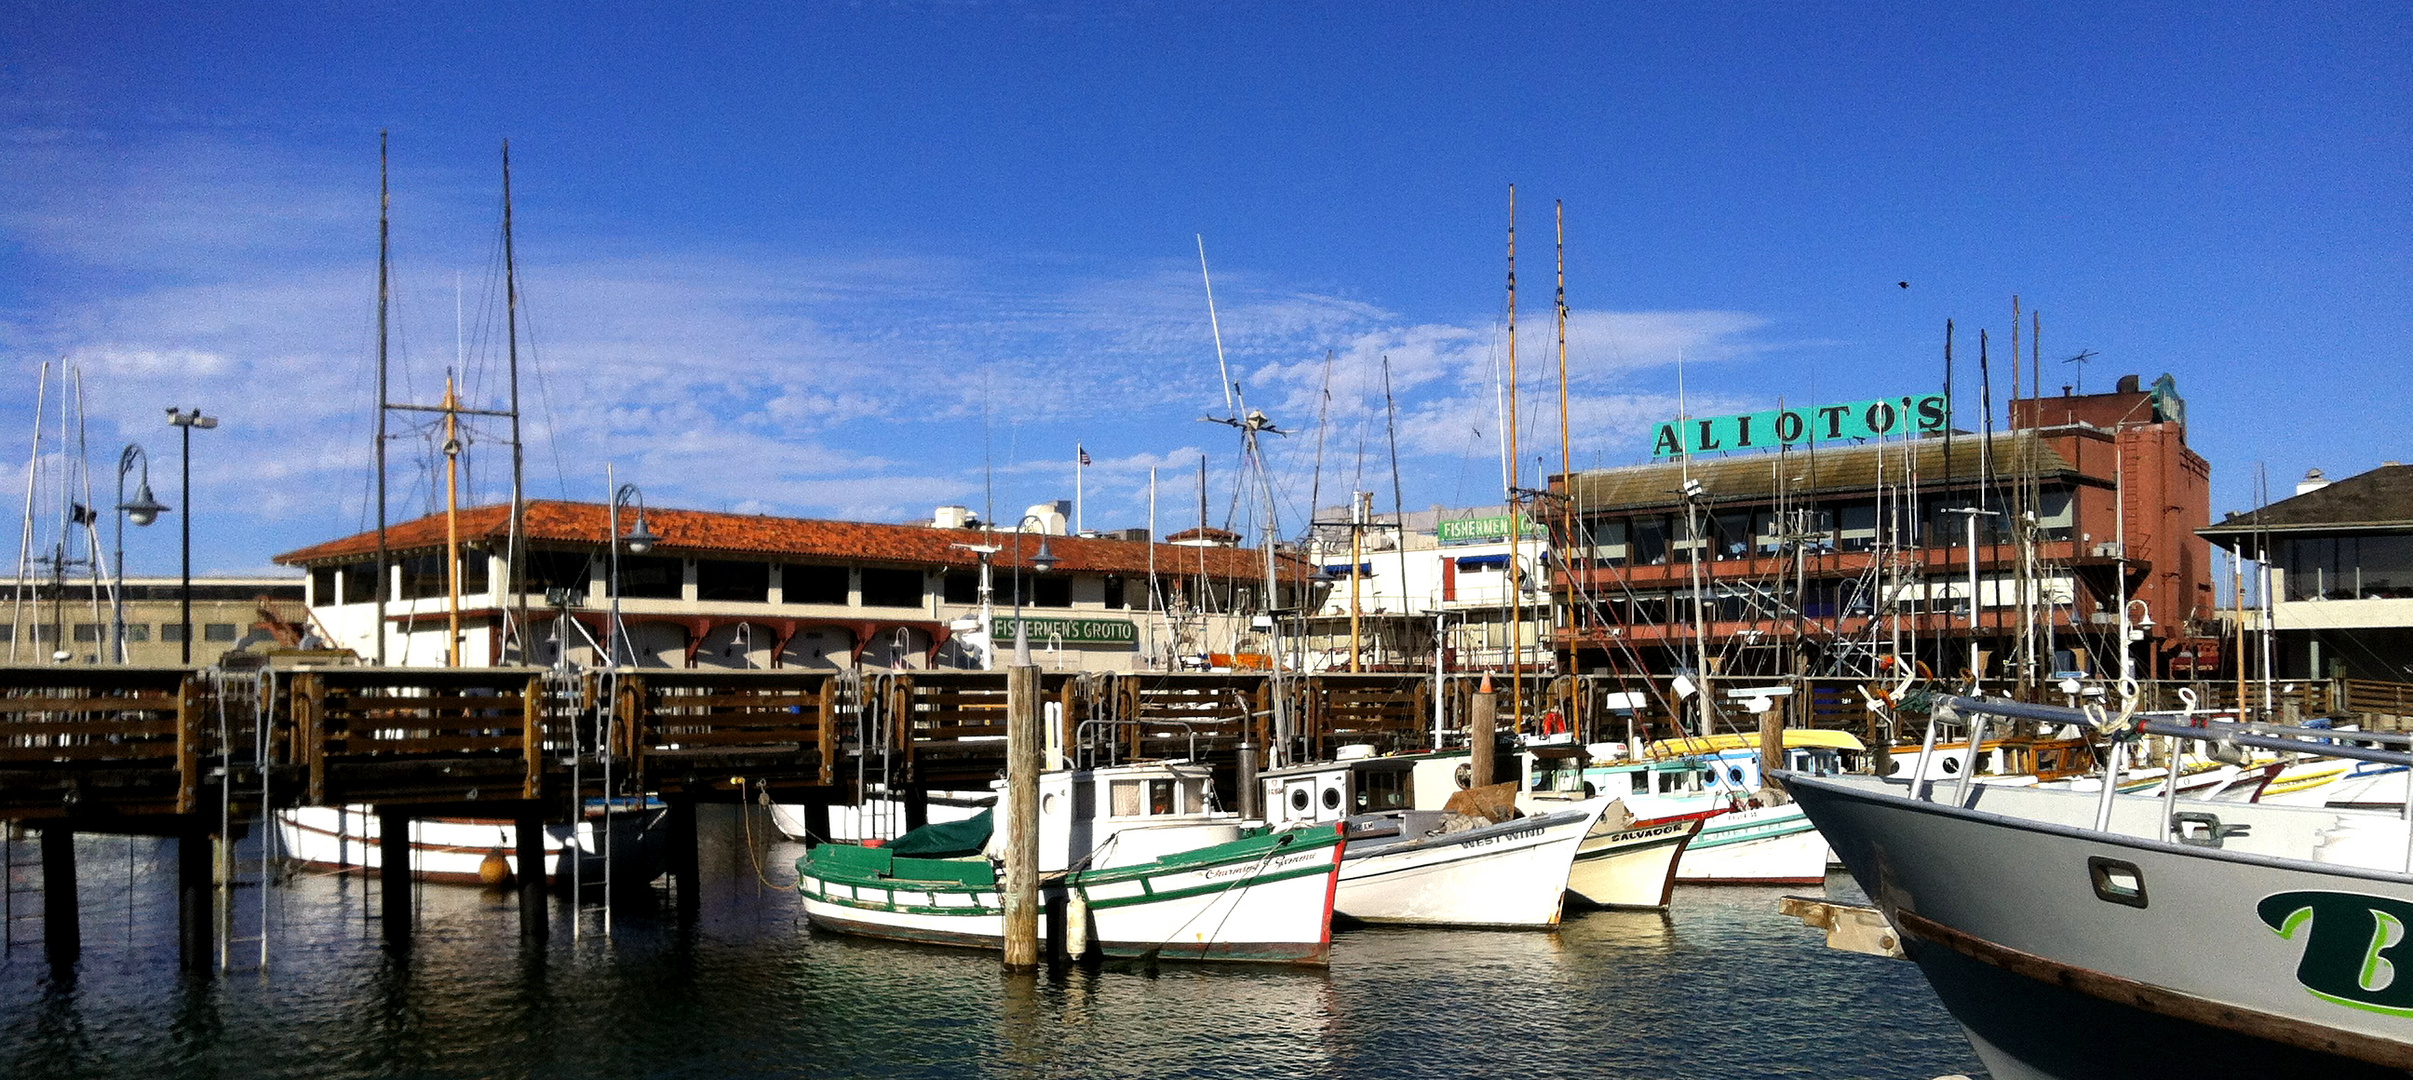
1656	539
96	632
722	580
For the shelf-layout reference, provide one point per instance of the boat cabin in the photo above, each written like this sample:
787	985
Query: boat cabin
1121	815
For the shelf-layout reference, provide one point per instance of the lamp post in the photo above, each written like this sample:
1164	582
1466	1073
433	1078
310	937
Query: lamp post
187	420
143	510
639	541
1043	561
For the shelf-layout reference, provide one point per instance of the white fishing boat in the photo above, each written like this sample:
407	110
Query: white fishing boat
1431	867
1137	854
2090	935
1744	838
479	851
1623	865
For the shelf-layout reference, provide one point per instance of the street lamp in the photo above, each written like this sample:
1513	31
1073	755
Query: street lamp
639	540
187	420
1043	561
143	511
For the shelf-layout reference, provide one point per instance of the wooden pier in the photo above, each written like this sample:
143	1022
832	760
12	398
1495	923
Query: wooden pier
184	752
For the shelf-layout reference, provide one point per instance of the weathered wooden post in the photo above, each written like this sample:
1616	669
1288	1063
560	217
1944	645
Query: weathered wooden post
1771	741
394	874
196	900
1481	734
62	933
1024	748
534	913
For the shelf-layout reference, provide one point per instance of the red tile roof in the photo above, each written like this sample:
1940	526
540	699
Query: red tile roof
706	534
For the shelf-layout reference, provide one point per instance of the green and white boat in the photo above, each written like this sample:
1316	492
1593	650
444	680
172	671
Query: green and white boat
1137	853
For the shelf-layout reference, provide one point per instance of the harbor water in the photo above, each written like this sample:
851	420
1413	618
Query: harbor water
1721	988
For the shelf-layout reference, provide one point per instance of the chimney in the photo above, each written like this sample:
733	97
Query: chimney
2313	481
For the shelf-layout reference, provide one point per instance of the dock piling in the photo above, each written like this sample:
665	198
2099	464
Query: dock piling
196	901
534	914
1482	735
62	930
394	874
1023	755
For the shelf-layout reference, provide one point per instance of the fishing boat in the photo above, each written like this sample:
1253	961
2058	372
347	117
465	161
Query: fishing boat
2079	934
1745	838
624	846
1143	862
1436	867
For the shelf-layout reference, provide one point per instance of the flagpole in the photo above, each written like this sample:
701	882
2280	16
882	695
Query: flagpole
1080	457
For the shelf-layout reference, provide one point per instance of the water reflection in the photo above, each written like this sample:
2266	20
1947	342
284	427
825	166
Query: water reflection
1722	987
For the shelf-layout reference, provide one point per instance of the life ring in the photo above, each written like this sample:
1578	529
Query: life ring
1554	723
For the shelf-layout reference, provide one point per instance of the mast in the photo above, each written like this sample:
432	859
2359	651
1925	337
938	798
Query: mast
452	525
1361	504
513	557
1516	534
1562	535
384	259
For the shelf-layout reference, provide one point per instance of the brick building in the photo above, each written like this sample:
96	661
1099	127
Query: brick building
1817	561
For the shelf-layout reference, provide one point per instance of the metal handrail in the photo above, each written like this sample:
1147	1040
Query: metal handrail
2261	736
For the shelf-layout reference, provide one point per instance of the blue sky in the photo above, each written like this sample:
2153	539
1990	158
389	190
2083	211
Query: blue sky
853	260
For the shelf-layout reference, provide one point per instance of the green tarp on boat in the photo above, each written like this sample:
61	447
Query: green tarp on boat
947	839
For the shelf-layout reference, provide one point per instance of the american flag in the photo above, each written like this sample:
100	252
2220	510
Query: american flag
1077	448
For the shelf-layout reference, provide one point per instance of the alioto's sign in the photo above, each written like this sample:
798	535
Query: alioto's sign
1070	631
1796	427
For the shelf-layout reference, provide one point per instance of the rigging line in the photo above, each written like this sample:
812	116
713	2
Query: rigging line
1315	491
1223	369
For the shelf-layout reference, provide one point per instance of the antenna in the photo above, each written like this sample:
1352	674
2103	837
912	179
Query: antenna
2081	360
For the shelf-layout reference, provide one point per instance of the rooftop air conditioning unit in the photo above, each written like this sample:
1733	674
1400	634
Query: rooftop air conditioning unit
2108	549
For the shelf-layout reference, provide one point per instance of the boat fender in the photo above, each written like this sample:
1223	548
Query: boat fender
1076	924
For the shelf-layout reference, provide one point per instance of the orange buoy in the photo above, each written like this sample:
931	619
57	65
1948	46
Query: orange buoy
494	869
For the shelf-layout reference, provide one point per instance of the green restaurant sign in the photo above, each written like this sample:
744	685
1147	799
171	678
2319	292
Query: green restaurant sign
1479	529
1070	631
1797	427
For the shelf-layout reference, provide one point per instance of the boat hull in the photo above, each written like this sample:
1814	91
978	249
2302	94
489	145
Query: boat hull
1630	868
2216	963
456	850
1765	845
1263	899
1509	875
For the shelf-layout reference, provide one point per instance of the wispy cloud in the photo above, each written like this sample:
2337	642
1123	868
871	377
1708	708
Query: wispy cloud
852	384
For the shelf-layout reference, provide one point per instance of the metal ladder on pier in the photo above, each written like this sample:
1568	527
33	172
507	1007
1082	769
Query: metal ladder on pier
244	700
601	728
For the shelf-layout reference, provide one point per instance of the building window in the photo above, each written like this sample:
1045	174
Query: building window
546	571
650	577
1859	527
136	631
359	583
322	585
87	631
1114	591
172	633
745	582
1049	590
423	575
814	584
218	631
892	588
1650	541
44	632
962	587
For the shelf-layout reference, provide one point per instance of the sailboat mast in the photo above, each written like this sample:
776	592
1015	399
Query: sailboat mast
1562	535
452	524
384	400
1516	532
513	557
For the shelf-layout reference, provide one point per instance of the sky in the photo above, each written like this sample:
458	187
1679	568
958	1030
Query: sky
861	260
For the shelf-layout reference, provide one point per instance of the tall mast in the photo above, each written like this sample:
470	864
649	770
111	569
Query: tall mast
1562	537
384	250
1516	533
513	557
452	525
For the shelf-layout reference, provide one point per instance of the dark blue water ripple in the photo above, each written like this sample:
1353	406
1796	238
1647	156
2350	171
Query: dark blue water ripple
1722	989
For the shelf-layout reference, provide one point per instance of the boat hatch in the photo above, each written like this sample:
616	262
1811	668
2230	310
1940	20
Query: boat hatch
1381	789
